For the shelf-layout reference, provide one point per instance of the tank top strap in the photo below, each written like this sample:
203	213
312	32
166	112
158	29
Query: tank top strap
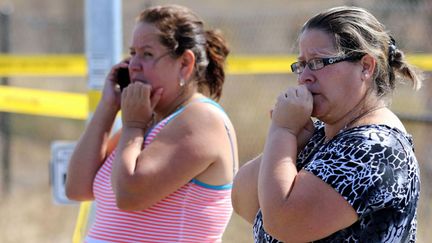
226	122
200	100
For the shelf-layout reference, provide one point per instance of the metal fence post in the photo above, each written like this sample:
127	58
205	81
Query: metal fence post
4	117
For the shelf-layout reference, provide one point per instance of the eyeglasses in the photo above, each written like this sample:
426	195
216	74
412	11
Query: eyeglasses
319	63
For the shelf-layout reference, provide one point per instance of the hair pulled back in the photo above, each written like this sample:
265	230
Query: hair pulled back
181	29
357	32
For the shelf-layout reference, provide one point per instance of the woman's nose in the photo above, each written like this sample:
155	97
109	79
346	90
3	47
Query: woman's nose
134	65
305	76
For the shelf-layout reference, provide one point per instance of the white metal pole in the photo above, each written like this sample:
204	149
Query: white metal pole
103	48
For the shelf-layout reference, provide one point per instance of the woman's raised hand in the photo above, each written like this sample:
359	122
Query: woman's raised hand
111	93
138	103
293	109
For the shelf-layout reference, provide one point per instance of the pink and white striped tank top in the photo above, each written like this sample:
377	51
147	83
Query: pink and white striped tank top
196	212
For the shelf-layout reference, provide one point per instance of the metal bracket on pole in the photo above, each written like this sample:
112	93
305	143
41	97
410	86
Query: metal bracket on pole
103	39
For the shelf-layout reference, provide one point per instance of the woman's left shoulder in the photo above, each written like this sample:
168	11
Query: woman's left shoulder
204	113
197	123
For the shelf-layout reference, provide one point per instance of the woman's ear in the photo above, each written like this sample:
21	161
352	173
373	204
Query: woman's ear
187	62
368	63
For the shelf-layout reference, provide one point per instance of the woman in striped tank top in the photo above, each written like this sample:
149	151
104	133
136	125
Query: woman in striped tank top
166	176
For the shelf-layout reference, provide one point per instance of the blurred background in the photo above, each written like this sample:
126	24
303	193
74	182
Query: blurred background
252	28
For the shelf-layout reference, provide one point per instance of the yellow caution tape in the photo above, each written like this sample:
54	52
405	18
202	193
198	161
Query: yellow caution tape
75	65
422	61
260	64
43	65
94	97
42	102
77	106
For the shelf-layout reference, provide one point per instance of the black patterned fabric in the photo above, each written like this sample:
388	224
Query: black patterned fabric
374	168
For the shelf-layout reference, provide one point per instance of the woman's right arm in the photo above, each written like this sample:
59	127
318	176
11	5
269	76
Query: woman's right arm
88	155
95	143
245	188
244	195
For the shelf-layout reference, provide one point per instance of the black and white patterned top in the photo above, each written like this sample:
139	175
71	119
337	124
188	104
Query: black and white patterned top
374	168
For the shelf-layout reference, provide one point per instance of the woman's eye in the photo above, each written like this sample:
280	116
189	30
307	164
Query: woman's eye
147	54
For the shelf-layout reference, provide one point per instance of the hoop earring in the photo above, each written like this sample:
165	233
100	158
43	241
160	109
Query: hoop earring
182	82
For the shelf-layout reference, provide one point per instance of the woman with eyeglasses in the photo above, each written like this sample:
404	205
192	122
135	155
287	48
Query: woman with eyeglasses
167	175
350	175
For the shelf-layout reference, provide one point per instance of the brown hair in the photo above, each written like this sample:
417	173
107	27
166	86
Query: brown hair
357	32
181	29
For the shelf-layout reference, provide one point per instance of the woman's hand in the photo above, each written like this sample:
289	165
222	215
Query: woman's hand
138	103
111	93
293	109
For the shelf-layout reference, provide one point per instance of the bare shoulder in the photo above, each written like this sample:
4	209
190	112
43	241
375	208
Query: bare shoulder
202	116
392	120
199	125
385	117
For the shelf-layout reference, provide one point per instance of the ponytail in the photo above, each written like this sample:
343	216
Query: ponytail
217	51
399	66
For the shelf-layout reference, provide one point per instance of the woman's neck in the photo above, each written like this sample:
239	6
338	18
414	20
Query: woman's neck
359	115
175	105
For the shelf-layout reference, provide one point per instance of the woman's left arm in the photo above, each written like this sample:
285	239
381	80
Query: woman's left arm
296	206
